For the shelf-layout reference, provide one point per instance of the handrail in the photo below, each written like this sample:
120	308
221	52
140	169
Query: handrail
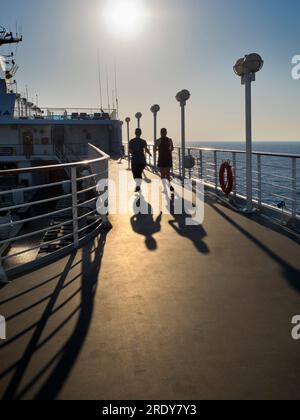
72	216
52	167
208	149
280	197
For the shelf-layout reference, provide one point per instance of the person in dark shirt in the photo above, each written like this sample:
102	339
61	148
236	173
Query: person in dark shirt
164	146
138	149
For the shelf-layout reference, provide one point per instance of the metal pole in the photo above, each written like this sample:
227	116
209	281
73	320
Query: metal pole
128	142
75	205
216	171
155	138
248	79
259	181
294	188
183	140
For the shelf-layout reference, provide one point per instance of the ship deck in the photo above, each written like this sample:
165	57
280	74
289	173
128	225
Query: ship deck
157	310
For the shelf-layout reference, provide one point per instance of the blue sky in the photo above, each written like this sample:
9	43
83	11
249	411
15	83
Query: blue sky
189	44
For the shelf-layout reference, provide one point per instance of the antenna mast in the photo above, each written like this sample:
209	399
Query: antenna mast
107	87
116	89
100	83
8	37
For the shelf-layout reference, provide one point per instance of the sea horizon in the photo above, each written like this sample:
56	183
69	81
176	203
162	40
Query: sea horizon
272	146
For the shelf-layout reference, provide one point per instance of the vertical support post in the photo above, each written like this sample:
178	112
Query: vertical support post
128	141
183	141
234	164
216	170
201	164
190	171
179	162
259	181
3	276
75	205
248	78
294	188
155	138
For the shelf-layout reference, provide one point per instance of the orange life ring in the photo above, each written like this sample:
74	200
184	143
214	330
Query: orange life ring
228	183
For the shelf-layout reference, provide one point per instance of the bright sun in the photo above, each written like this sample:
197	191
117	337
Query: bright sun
124	17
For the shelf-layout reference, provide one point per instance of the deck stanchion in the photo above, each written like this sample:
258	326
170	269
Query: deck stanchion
259	181
216	170
75	205
155	110
190	171
200	164
128	141
246	68
234	164
182	97
179	162
294	188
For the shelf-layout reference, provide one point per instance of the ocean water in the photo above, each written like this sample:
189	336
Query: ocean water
277	181
290	147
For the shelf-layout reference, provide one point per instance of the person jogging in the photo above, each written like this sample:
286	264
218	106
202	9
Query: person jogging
164	146
138	149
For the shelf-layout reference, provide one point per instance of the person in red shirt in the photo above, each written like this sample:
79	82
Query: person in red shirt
164	146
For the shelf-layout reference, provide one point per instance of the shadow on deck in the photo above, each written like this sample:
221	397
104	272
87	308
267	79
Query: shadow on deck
58	366
166	312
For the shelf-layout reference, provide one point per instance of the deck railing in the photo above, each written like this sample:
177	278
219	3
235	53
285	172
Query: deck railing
276	177
64	114
61	213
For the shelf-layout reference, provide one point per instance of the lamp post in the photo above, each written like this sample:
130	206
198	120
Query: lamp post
127	120
138	116
155	110
246	68
182	97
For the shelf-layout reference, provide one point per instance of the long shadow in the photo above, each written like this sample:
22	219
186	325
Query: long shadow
63	361
291	274
195	233
145	224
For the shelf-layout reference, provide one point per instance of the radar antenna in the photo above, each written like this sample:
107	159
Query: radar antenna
8	37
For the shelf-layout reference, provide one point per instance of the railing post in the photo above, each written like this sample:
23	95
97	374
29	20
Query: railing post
259	181
216	170
179	160
75	205
294	188
234	164
3	277
200	164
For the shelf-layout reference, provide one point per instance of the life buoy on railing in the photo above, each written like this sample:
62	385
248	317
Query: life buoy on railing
226	178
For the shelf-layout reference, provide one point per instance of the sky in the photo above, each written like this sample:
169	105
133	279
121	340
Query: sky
173	45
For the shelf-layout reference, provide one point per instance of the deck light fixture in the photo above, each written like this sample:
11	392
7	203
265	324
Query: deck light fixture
246	68
155	110
138	116
182	97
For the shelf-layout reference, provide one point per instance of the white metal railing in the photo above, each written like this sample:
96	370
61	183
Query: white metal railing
276	177
64	114
74	210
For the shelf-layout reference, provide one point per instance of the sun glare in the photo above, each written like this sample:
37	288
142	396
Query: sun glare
125	17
